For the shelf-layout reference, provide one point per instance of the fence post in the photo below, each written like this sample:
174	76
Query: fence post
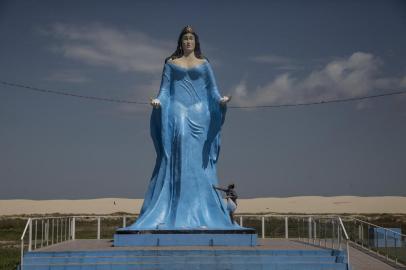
42	231
47	231
69	228
56	231
263	226
368	241
22	255
333	235
386	245
286	228
309	221
298	228
61	230
124	221
52	231
338	231
73	228
35	234
359	231
325	234
240	220
314	231
396	250
30	236
98	228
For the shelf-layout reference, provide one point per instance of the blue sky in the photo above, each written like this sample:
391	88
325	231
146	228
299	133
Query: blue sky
262	52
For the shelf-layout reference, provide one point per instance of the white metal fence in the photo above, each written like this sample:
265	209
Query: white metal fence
322	230
386	243
329	231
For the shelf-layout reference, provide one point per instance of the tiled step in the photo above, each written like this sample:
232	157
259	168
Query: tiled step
181	259
163	252
193	266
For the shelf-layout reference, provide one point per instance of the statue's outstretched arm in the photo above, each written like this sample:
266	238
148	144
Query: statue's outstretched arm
214	88
164	88
213	84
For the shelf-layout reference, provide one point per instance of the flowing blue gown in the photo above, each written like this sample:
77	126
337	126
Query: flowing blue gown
186	135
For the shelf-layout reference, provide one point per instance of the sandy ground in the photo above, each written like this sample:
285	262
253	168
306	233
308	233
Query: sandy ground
305	205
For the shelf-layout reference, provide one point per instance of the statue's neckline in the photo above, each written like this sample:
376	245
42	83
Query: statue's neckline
187	68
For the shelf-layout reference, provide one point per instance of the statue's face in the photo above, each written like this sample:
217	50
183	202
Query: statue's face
188	42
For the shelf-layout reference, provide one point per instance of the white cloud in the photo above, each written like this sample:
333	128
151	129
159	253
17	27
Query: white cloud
100	45
271	59
354	76
403	81
277	62
69	76
118	49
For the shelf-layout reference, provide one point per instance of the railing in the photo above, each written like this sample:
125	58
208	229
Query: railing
384	242
326	231
347	239
28	224
329	231
46	231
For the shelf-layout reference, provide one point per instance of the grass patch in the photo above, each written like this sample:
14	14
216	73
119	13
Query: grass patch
9	258
399	253
11	228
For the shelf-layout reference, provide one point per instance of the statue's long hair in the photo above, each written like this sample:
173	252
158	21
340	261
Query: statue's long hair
179	51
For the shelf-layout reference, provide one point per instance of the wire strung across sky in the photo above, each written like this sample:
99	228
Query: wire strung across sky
36	89
57	92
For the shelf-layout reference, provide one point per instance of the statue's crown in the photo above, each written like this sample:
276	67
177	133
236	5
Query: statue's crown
188	29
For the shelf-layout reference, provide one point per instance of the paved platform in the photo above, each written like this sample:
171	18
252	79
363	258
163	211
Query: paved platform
360	260
90	245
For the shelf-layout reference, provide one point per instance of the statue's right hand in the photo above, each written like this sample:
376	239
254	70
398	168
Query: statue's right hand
155	103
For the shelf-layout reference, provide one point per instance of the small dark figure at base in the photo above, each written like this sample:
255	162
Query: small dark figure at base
231	197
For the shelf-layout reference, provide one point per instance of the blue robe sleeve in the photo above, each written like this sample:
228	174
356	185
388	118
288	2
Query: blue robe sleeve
159	116
217	116
165	83
212	84
158	130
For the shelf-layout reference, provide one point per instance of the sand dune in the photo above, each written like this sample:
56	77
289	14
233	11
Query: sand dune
303	204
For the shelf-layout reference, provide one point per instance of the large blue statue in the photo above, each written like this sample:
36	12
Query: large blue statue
185	127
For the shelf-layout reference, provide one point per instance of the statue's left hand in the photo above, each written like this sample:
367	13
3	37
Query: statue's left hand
155	102
224	100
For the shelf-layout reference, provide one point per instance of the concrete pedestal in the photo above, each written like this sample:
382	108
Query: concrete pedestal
240	237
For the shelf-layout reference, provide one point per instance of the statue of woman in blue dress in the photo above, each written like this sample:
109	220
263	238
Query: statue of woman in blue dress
185	127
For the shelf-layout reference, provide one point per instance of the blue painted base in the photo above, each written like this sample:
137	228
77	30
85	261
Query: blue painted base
244	237
188	259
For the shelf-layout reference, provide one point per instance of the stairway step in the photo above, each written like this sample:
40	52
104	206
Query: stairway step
162	252
190	258
180	258
193	266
